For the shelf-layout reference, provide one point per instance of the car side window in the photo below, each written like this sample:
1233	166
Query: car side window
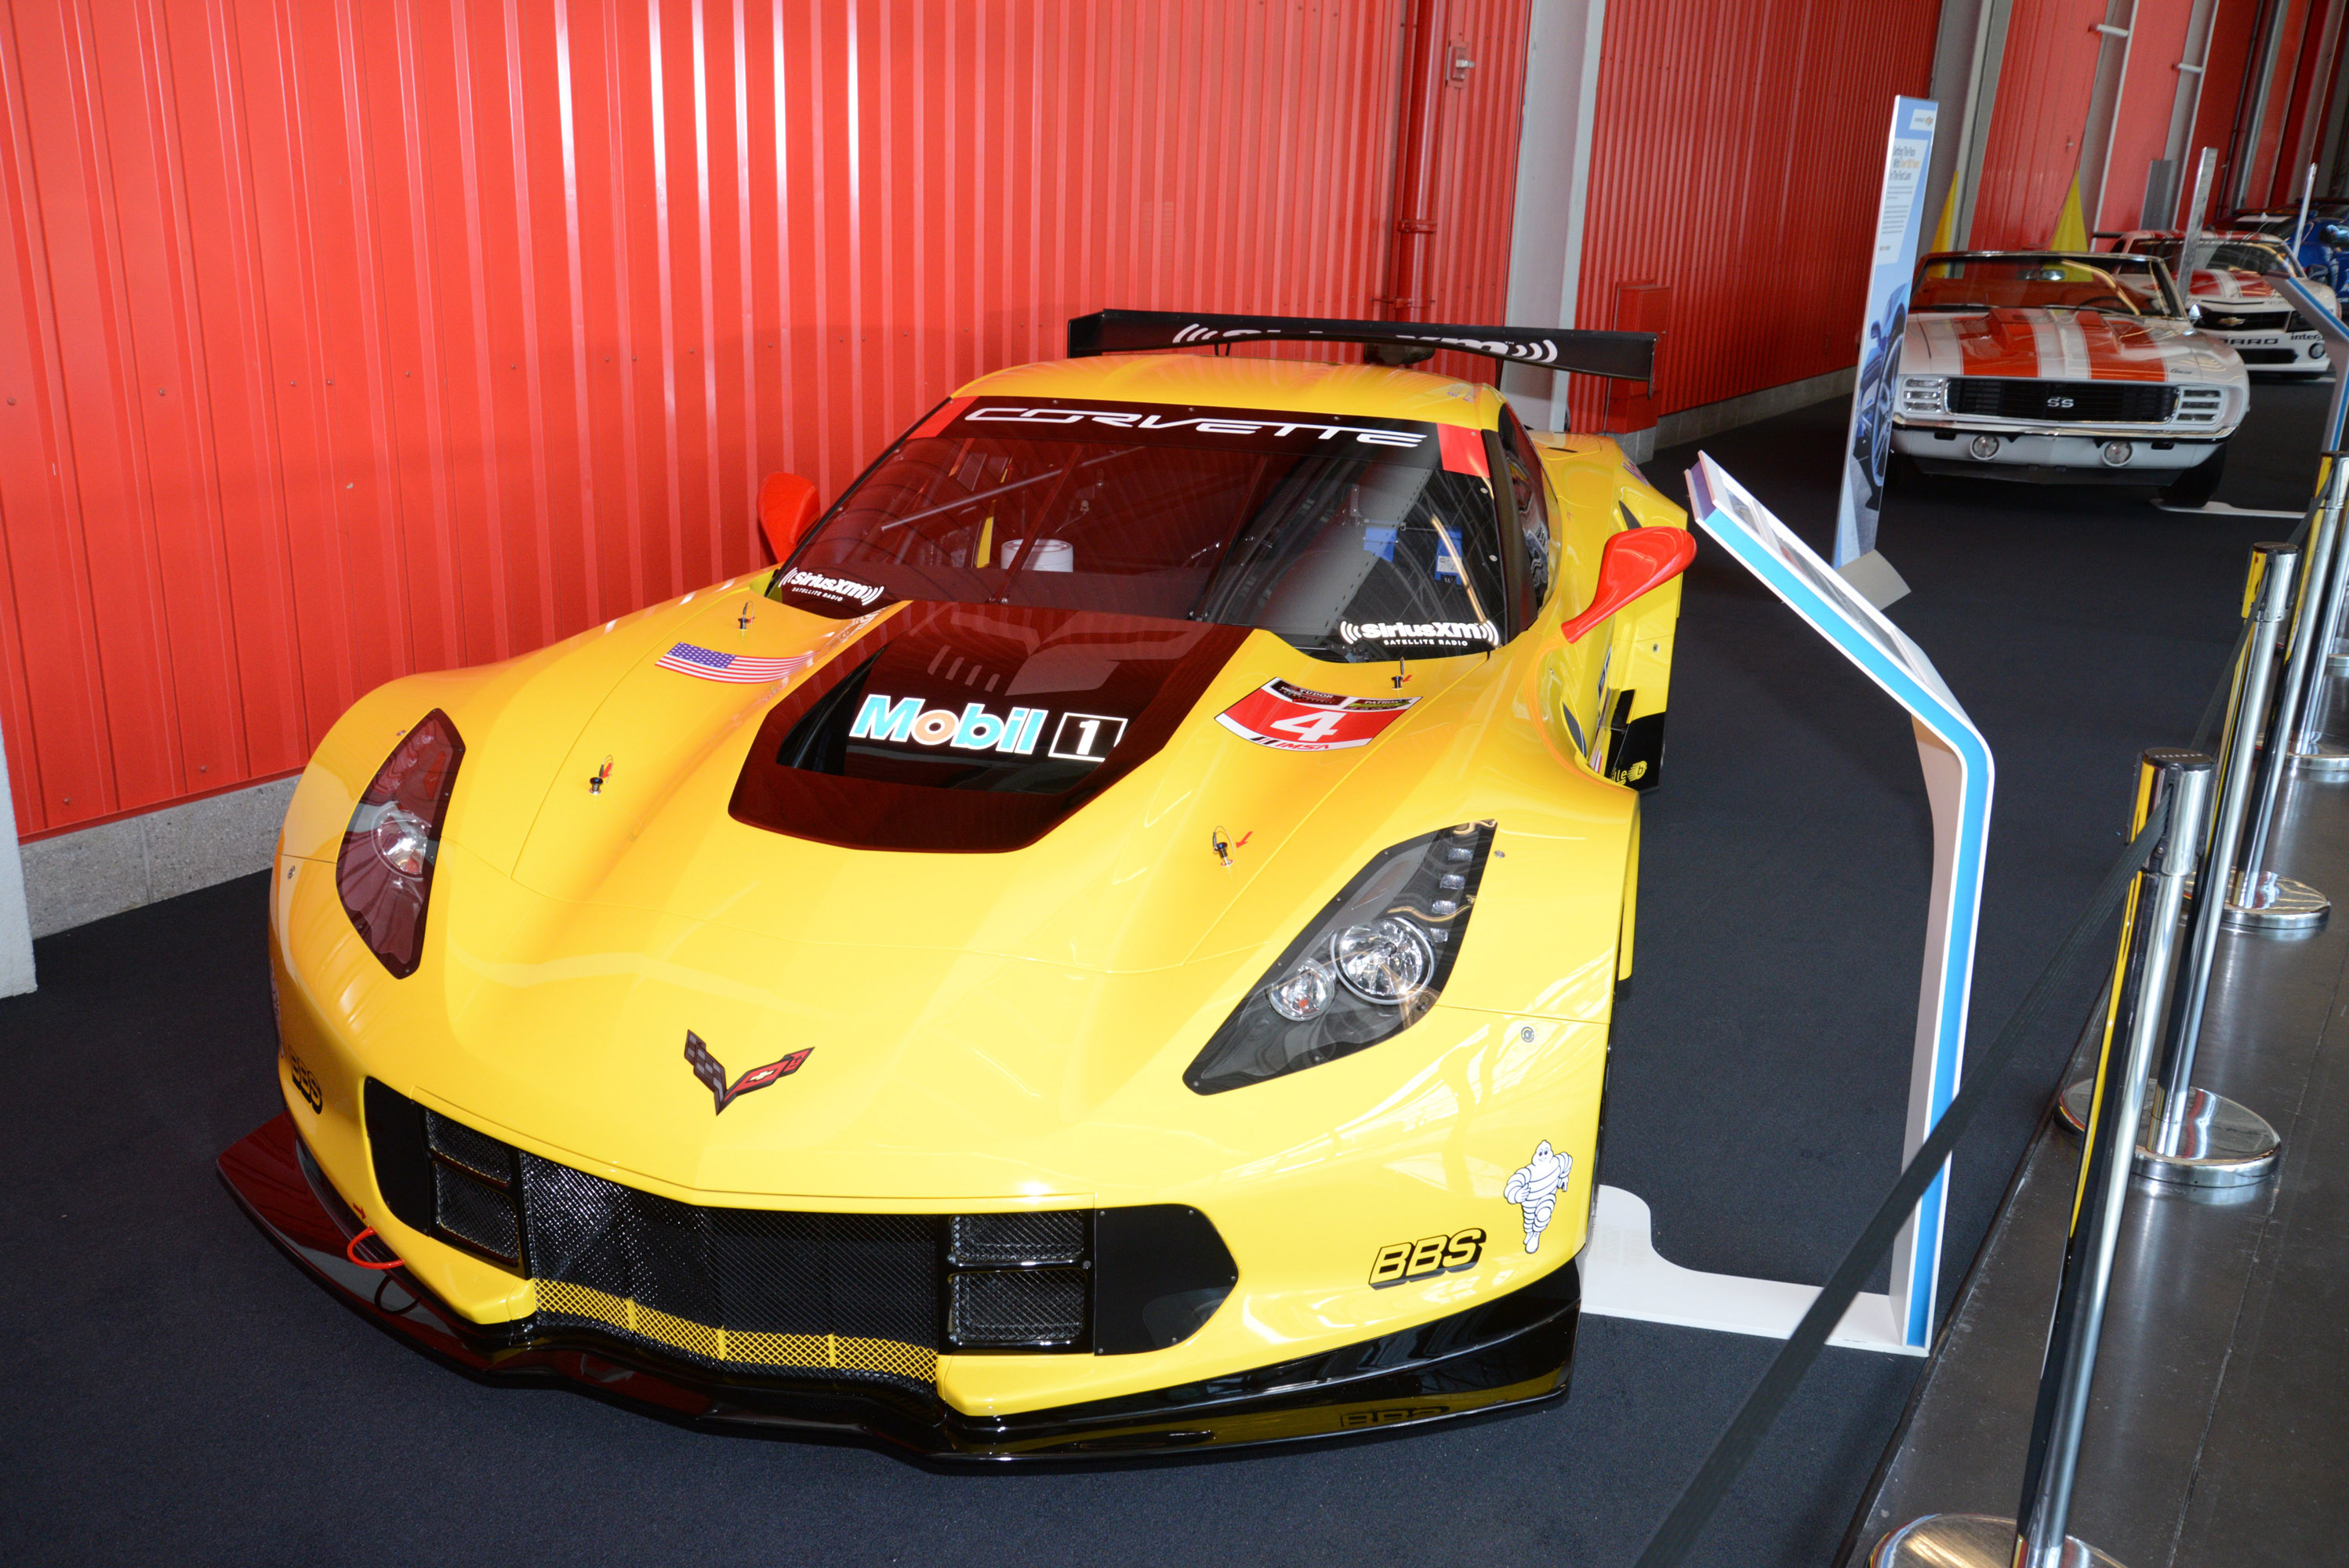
1533	512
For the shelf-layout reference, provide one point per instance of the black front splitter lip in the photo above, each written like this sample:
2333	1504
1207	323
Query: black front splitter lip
1509	1352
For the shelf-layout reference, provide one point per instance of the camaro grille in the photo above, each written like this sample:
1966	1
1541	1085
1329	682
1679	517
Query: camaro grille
2066	402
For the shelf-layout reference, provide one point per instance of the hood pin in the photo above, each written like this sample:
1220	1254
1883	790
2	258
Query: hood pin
1223	847
742	622
596	779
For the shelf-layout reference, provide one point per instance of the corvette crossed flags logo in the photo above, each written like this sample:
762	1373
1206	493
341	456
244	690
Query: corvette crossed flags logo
708	1068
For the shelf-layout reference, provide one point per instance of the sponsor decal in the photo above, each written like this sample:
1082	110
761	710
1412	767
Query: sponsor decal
1355	1419
1289	718
1230	423
305	1082
1393	633
713	1075
1086	736
1542	353
741	669
1400	1261
903	720
1534	1188
847	590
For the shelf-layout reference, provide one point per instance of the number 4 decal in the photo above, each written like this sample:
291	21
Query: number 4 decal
1289	717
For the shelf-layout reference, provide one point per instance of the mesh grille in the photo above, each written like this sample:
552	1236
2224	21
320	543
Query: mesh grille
2061	402
473	1213
476	1151
1018	1306
837	1294
996	1239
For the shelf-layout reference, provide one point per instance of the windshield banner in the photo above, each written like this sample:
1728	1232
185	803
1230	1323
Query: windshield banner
1900	213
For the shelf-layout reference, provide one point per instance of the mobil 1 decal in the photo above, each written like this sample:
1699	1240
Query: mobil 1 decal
976	728
1291	717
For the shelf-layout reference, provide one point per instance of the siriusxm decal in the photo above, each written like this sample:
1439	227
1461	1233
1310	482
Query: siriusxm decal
1419	632
831	587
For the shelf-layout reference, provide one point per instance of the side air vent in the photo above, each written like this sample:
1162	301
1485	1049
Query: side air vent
1020	1282
444	1178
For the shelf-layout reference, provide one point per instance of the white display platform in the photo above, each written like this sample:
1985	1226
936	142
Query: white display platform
1623	1276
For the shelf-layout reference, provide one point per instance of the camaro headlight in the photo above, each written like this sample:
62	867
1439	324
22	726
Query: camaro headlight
1369	966
1924	395
384	871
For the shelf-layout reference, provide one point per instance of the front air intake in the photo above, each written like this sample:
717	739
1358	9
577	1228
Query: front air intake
791	1294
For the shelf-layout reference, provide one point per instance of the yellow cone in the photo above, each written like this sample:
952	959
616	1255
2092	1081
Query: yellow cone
2071	225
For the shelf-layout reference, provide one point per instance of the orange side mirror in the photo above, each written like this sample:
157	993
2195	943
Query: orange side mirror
1634	562
787	508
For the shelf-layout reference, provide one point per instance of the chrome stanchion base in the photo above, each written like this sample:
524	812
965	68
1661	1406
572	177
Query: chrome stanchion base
2336	662
2222	1144
1968	1541
2323	761
2280	905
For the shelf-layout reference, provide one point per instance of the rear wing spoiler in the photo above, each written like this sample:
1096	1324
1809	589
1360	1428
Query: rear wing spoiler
1624	355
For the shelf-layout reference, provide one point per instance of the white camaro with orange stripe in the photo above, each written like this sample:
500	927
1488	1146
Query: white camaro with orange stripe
2067	368
2237	289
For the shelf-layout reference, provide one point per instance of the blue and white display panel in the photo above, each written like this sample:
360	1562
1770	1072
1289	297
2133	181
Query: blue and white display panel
1958	775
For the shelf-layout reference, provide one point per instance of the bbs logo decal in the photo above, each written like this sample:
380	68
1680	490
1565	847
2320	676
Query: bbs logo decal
1400	1261
712	1075
1291	718
1078	738
305	1080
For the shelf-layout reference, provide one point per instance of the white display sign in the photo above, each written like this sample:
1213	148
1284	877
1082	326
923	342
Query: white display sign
1899	217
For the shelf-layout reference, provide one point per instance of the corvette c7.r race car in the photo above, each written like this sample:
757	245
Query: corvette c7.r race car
2069	367
1108	946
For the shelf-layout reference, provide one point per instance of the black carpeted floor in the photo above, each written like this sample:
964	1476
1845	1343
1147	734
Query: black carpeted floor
177	1390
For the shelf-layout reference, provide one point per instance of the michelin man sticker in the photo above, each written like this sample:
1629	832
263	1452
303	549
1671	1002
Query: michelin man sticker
1535	1187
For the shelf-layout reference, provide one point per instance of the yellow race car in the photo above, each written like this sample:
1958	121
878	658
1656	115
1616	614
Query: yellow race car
1108	946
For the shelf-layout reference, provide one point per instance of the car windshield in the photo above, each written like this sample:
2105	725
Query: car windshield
2116	284
1353	538
2236	255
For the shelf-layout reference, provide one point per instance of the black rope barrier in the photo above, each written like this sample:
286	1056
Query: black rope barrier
1764	1405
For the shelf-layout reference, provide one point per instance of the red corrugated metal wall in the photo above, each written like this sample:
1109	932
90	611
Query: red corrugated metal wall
1737	143
2141	119
346	337
2032	150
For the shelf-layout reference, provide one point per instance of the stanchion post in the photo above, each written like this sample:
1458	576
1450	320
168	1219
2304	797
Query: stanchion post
2263	901
2147	957
2149	954
2303	729
2201	1138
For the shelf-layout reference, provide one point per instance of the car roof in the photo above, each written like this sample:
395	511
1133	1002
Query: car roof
1285	386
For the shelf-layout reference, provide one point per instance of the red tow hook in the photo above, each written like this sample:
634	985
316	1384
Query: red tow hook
352	1253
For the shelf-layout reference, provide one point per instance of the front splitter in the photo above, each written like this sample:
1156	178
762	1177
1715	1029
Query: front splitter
1513	1350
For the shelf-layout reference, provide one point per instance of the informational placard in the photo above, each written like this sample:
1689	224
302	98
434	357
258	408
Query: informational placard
1899	218
1958	775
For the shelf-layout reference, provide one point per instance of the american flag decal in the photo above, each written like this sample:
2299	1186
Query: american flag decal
709	665
713	1075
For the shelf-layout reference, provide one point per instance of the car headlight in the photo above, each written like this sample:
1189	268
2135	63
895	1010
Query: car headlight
1370	965
1924	394
384	871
